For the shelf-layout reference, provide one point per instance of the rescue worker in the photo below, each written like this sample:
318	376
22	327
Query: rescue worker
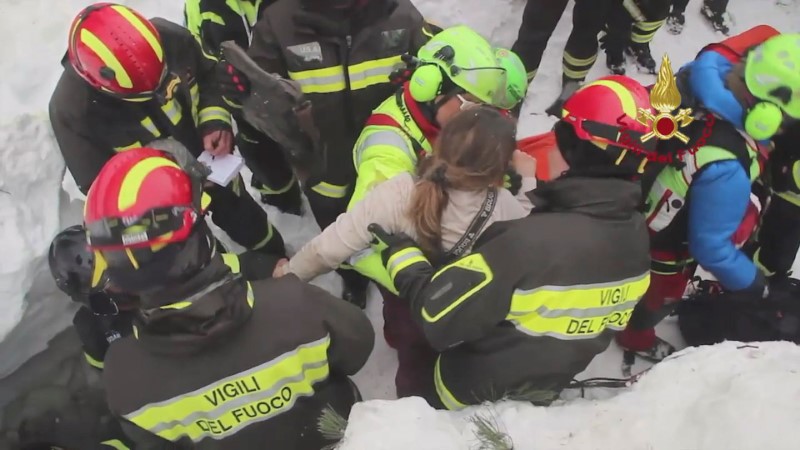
631	26
717	179
247	362
214	22
128	81
539	20
342	53
539	297
455	70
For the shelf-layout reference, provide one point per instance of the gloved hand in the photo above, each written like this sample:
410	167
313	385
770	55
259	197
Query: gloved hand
758	289
389	244
234	84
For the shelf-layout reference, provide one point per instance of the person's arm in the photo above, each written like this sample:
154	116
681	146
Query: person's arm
528	185
214	22
385	205
351	333
718	199
460	302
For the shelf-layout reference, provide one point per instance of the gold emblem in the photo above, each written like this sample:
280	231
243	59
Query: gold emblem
665	97
173	84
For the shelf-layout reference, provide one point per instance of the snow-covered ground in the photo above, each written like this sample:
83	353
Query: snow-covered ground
746	388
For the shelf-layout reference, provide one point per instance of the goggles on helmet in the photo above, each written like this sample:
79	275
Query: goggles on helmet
160	225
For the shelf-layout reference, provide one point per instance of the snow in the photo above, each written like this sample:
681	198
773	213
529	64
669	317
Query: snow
710	394
732	396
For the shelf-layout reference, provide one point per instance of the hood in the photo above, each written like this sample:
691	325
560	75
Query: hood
200	313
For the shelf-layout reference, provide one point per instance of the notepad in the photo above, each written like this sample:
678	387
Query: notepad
223	168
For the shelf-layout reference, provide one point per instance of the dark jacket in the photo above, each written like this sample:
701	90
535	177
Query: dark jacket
244	365
91	126
217	21
539	297
342	64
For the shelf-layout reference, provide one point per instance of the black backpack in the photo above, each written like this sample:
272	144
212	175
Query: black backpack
709	317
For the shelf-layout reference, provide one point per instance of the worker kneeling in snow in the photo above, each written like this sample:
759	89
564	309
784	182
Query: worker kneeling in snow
215	361
540	296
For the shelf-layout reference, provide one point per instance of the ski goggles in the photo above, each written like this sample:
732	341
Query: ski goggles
157	226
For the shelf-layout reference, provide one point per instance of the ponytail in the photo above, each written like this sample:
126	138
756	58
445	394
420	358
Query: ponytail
427	205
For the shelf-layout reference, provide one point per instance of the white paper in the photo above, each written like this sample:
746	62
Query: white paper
223	168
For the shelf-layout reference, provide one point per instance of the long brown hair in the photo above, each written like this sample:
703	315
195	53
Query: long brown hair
472	153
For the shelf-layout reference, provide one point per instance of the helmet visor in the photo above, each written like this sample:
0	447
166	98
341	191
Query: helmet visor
156	226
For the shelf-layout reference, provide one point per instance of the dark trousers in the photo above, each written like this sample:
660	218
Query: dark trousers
588	19
272	174
237	213
623	29
539	20
415	357
718	6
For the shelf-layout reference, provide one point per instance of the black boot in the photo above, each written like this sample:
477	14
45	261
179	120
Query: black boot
615	62
289	202
644	60
354	287
675	22
718	19
569	88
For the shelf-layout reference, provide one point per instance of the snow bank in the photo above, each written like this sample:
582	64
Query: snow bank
730	396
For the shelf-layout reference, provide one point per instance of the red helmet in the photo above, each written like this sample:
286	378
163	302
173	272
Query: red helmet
599	110
117	50
141	198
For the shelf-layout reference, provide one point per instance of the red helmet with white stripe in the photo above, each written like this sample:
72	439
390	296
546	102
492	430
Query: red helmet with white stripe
116	50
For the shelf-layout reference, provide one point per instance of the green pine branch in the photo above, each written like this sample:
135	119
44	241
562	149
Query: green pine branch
332	426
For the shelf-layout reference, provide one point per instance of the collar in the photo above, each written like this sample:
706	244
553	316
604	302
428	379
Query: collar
602	197
429	129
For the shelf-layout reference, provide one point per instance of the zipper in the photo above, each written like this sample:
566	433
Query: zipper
348	92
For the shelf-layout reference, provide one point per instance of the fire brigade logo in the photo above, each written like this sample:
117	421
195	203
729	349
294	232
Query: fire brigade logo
665	98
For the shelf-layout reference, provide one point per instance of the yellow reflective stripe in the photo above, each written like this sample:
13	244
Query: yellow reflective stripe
332	79
108	58
173	111
575	74
474	262
266	239
251	296
532	75
386	136
225	407
214	113
212	17
232	261
448	399
143	30
790	197
264	189
136	144
194	91
624	95
100	266
330	190
230	103
578	62
116	444
148	125
404	258
93	362
650	26
129	189
579	311
177	305
760	265
186	304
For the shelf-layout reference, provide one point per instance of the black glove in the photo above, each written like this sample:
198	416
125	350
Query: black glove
234	84
758	289
389	244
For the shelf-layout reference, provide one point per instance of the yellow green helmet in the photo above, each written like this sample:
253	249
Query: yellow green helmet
516	77
772	72
466	59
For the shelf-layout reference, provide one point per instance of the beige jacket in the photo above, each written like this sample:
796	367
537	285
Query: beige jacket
386	204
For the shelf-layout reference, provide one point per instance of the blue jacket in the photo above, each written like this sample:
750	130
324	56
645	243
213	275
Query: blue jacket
707	84
719	197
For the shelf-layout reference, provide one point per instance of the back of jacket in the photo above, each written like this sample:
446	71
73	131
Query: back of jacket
262	384
540	296
343	66
91	126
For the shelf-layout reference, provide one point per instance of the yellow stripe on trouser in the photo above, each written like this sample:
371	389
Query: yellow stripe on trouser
214	113
93	362
330	190
643	32
576	312
448	399
264	241
332	79
264	189
116	444
569	59
226	406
